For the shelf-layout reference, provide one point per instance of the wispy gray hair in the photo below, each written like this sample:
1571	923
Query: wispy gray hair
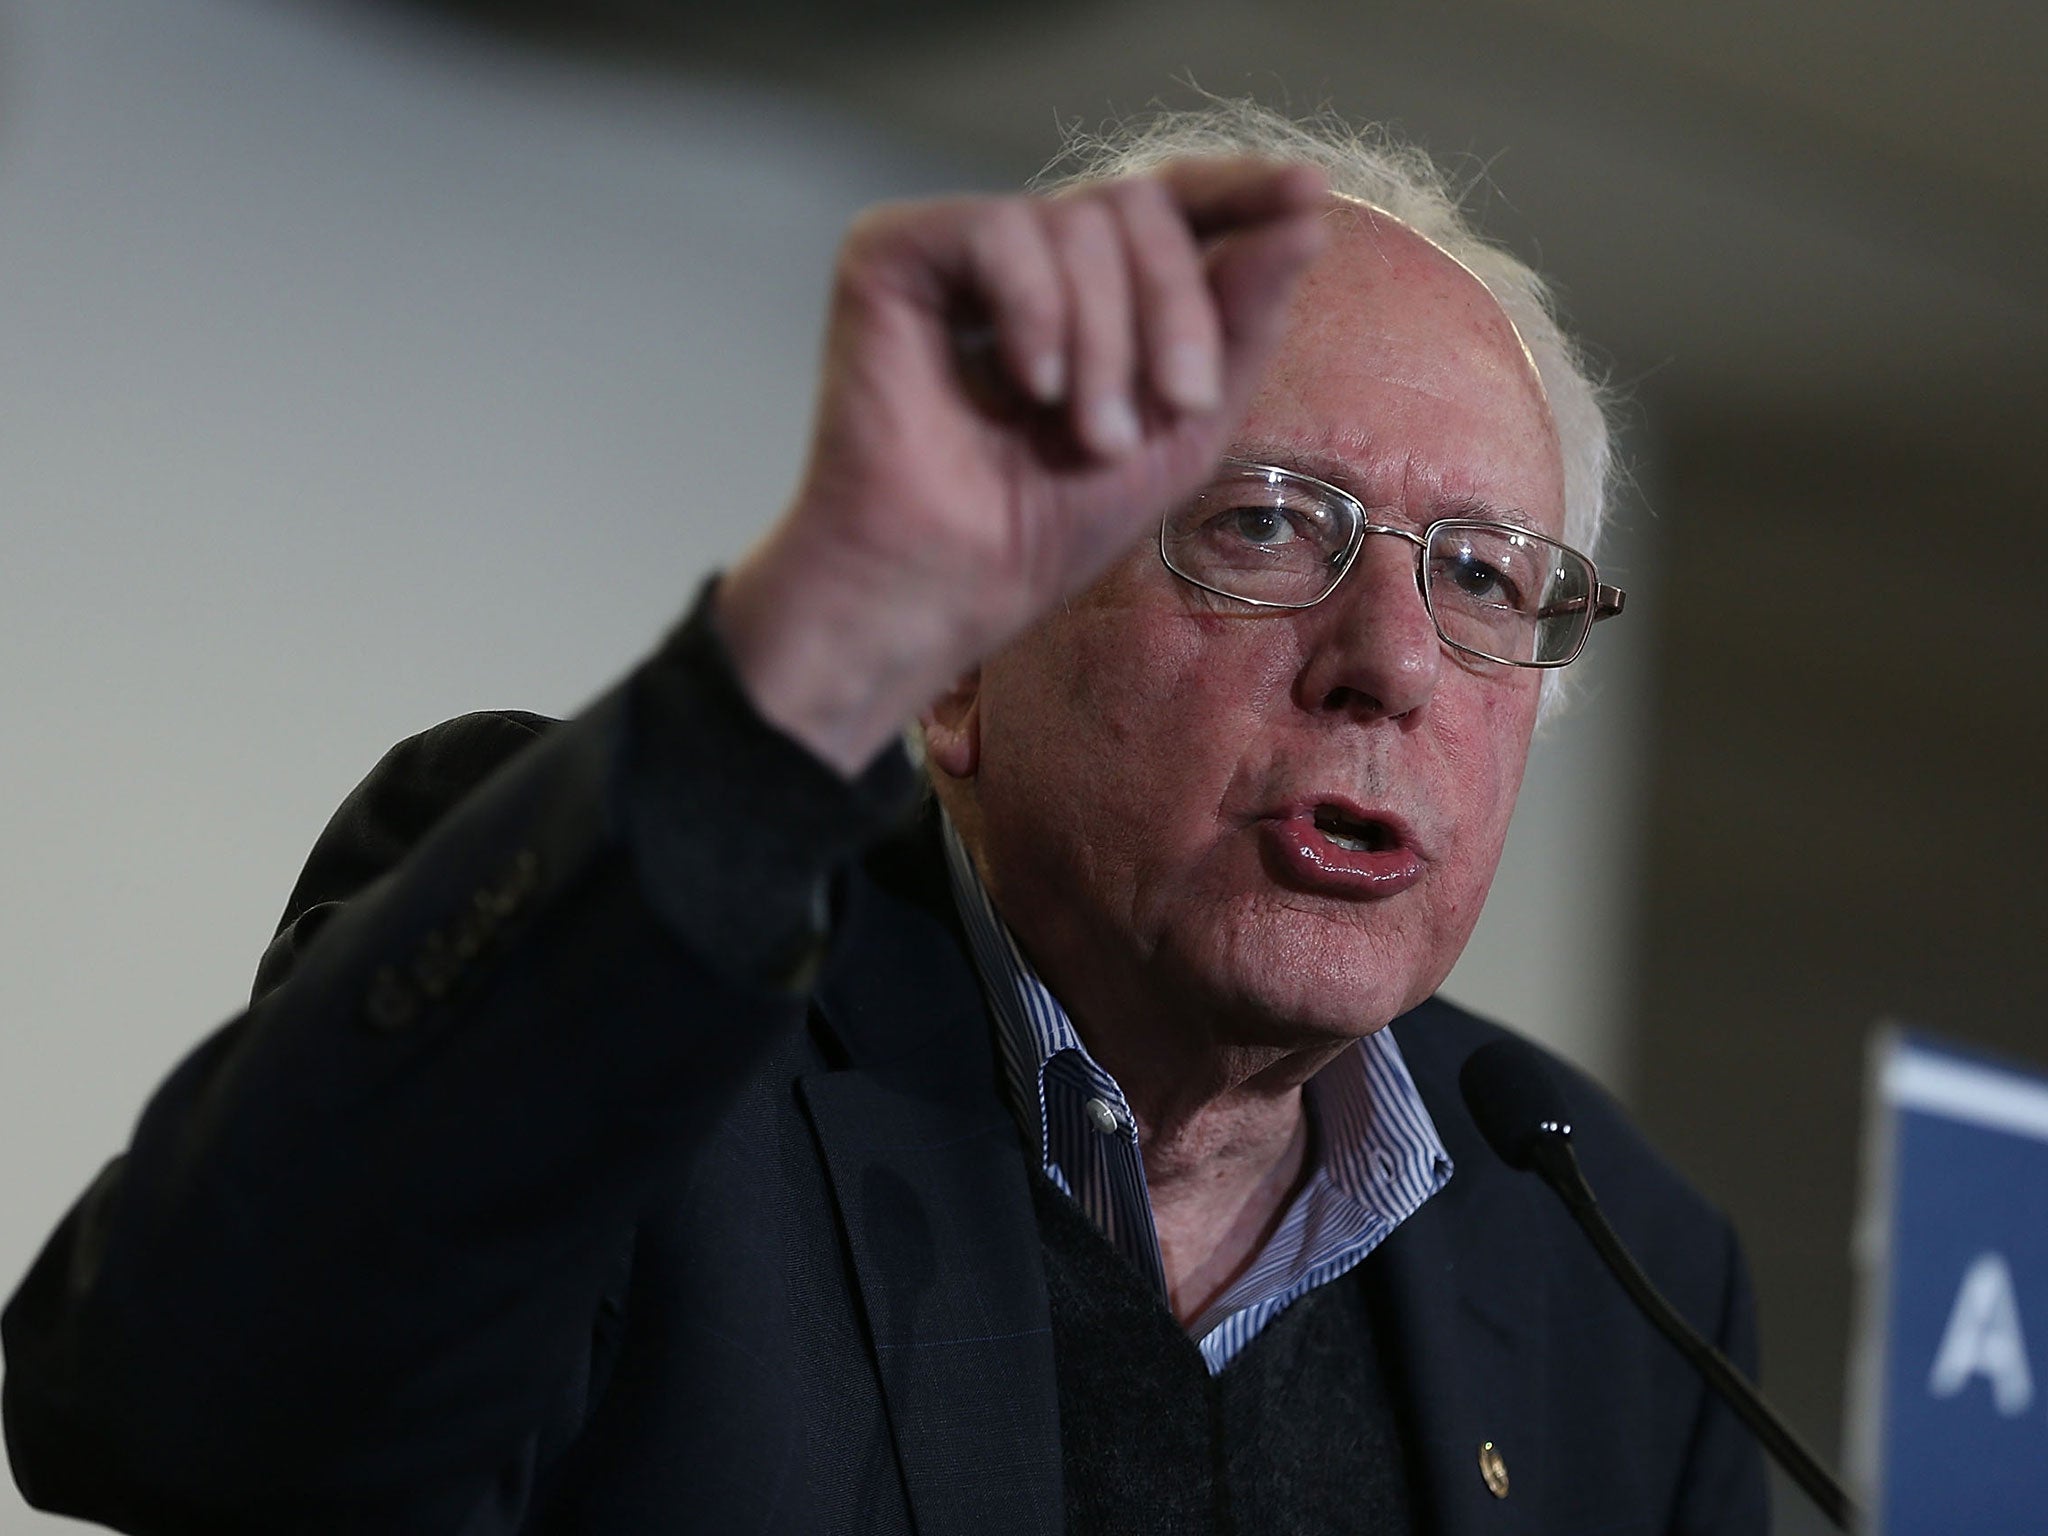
1370	165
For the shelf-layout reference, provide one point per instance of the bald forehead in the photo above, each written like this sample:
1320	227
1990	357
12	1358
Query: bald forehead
1382	263
1401	374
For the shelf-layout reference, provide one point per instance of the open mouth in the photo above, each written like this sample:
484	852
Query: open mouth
1352	834
1335	848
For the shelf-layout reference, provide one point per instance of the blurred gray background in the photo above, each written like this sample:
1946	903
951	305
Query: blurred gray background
363	362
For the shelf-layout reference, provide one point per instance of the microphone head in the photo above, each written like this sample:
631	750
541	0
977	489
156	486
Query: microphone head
1516	1099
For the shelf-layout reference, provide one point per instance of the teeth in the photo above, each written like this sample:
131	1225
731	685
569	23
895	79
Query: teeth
1347	834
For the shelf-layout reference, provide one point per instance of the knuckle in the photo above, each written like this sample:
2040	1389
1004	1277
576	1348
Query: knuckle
1084	227
881	226
1000	223
1001	240
878	239
1007	249
1143	201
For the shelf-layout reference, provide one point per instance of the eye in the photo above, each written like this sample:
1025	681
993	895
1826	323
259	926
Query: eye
1268	527
1475	578
1256	534
1481	577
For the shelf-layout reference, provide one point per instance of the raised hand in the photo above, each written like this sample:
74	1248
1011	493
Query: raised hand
1014	389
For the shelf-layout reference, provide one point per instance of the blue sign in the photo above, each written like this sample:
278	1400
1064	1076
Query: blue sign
1952	1402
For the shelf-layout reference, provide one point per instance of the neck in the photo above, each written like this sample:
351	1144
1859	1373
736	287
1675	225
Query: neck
1221	1122
1221	1169
1219	1187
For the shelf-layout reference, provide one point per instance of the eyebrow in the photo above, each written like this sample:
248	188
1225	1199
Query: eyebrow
1486	511
1335	470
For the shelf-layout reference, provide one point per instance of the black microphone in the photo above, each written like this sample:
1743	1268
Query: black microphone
1520	1108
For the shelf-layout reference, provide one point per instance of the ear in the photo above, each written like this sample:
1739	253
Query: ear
952	727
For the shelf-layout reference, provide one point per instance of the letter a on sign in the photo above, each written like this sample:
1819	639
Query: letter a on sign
1954	1253
1983	1339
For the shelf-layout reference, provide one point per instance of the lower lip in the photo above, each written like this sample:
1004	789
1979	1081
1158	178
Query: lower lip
1309	861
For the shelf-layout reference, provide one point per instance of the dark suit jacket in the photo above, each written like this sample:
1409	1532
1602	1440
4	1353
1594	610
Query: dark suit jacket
555	1182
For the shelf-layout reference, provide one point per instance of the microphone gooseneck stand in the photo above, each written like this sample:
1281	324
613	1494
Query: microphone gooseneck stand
1520	1108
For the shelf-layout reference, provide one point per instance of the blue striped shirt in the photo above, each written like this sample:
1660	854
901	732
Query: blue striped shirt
1376	1154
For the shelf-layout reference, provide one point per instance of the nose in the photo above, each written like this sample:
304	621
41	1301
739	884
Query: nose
1370	649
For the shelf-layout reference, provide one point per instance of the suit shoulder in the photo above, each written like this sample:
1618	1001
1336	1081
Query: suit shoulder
414	784
411	787
455	755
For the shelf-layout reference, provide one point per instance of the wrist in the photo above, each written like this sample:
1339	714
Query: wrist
836	664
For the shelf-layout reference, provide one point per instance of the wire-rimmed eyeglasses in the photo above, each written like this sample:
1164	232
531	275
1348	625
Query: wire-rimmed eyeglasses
1278	539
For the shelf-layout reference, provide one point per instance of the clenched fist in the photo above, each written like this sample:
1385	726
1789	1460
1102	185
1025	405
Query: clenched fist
1014	390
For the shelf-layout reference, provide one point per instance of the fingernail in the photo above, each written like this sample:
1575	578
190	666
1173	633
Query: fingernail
1048	379
1112	426
1190	379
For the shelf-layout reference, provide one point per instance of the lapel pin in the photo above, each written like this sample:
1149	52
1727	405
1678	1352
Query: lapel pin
1493	1468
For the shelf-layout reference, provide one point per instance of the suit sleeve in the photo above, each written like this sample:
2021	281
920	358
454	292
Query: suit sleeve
356	1244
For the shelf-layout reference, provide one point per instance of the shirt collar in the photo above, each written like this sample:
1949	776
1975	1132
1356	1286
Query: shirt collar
1032	1029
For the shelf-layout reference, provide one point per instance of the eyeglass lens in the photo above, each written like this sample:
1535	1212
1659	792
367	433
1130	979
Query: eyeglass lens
1284	541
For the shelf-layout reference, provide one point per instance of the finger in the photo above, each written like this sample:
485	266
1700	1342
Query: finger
1016	278
1252	275
1100	340
1178	334
1217	195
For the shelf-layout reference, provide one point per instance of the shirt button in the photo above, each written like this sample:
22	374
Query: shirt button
1382	1165
1104	1115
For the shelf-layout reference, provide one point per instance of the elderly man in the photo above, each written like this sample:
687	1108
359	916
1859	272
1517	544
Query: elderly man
632	1132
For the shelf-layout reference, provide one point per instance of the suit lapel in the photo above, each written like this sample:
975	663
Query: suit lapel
930	1178
1466	1304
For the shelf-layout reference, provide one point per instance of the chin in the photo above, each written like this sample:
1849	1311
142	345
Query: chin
1294	978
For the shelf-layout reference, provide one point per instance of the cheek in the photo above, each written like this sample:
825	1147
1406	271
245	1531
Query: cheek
1134	684
1063	735
1488	756
1113	735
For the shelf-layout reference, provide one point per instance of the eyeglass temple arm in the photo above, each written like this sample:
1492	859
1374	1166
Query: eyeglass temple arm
1606	603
